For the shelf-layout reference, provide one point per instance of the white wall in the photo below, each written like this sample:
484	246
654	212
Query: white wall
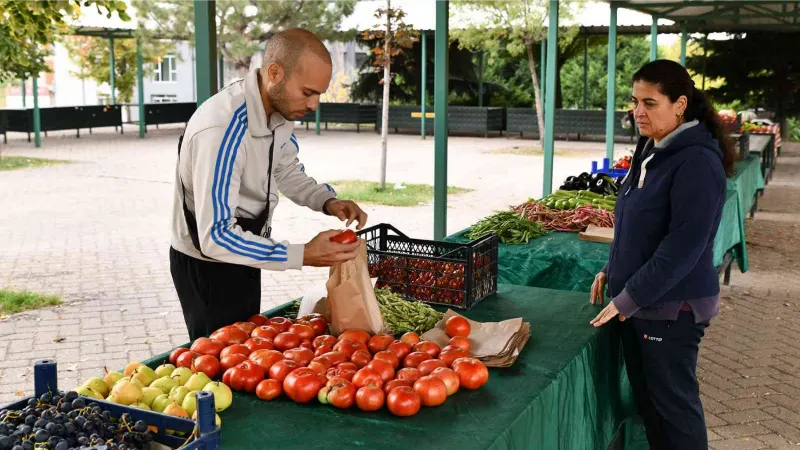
68	89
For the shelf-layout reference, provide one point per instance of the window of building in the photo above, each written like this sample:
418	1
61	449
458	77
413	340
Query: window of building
166	70
162	98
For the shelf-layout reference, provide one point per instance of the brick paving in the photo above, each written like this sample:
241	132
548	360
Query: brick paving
96	232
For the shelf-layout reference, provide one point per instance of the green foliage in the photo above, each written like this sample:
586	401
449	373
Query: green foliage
243	26
632	53
92	55
793	129
390	37
28	29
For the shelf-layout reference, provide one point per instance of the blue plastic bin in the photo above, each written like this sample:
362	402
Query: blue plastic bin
608	170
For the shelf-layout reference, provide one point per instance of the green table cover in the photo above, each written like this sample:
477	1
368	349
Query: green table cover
747	181
567	390
729	234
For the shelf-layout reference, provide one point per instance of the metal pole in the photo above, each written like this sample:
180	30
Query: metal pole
705	59
543	65
317	115
586	73
37	124
140	86
111	70
654	39
480	79
440	119
221	72
205	36
23	93
550	97
611	88
424	82
684	38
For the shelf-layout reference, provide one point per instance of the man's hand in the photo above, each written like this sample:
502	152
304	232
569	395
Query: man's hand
322	252
598	289
608	313
346	210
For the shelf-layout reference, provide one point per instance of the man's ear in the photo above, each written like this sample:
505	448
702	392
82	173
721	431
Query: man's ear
275	73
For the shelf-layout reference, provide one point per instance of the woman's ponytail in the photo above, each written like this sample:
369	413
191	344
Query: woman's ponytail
700	108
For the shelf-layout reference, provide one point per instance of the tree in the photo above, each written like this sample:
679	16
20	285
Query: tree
517	26
28	29
92	55
243	26
632	53
392	36
755	72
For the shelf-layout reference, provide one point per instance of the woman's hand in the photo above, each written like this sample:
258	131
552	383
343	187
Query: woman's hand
607	314
598	289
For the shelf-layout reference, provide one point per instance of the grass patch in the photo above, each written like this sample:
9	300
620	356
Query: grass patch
23	162
12	302
368	192
534	151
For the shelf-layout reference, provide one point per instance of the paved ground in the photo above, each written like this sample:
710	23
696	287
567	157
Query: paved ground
96	232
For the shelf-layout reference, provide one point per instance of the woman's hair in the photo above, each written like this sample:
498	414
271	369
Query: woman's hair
673	81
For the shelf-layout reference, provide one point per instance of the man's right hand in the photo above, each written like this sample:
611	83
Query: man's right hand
322	252
598	289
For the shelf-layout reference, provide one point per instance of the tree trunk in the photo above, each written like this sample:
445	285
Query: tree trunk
537	95
387	82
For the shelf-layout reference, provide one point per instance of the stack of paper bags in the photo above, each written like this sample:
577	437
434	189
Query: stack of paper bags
496	344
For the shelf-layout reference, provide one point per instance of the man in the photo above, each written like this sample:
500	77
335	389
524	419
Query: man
237	151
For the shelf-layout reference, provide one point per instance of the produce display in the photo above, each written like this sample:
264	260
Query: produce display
748	127
403	316
597	183
509	226
563	200
66	421
623	163
577	219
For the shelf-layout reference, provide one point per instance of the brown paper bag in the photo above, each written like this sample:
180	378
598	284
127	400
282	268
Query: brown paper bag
351	297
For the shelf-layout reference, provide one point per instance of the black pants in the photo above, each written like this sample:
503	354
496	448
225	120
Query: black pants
661	359
214	294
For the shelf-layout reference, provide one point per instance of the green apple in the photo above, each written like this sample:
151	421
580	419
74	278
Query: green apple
160	403
126	393
149	394
164	370
223	397
98	385
181	375
190	402
165	384
144	374
197	381
111	379
178	393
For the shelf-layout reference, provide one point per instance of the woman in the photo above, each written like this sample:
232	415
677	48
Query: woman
660	273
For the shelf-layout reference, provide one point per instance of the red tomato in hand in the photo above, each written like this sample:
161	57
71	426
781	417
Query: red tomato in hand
265	332
370	398
266	358
282	368
232	360
303	384
235	348
230	335
449	377
257	343
207	364
428	347
403	401
347	236
173	357
367	376
431	390
206	346
269	389
338	392
472	373
457	326
426	367
379	342
245	376
324	340
286	341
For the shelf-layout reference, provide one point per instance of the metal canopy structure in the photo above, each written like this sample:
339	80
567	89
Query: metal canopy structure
722	15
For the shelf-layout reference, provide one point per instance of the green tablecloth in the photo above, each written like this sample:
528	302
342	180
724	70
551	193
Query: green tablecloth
566	390
729	234
747	181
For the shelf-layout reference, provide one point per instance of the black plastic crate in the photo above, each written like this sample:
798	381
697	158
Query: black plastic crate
442	273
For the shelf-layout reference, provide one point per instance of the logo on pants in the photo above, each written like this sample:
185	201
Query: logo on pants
652	338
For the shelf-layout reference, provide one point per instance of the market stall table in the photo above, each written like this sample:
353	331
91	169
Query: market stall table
567	389
763	145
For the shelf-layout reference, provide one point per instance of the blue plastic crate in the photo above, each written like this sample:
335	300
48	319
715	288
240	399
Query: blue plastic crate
45	380
608	170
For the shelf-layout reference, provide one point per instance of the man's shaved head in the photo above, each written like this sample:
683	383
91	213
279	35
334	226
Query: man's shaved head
286	48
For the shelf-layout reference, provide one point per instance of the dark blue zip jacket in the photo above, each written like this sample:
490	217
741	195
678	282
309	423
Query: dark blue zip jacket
666	219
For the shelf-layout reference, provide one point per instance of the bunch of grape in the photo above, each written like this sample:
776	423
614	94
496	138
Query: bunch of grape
67	422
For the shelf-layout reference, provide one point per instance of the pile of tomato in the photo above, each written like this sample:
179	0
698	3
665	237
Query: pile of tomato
276	356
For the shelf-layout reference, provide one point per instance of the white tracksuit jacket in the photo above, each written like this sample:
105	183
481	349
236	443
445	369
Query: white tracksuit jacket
223	164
